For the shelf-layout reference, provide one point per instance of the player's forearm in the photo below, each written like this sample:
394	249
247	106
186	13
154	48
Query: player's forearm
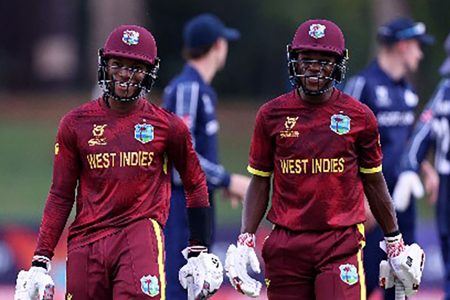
255	203
380	202
54	219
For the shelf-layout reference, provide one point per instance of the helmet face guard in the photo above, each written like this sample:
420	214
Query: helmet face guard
134	43
107	83
317	36
297	75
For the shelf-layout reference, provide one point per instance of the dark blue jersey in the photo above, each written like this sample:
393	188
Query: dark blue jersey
393	103
432	129
195	102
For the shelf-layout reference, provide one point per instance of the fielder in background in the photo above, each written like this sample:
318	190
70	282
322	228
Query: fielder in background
113	158
383	87
432	131
192	98
319	150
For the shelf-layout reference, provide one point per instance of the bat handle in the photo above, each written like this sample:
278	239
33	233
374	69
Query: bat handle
399	291
190	288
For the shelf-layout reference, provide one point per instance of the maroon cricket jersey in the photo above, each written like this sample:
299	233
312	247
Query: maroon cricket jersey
315	152
119	165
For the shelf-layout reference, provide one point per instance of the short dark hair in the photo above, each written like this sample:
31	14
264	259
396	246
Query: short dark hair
195	53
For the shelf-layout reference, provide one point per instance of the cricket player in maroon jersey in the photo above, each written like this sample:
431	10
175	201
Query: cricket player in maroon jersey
113	158
319	150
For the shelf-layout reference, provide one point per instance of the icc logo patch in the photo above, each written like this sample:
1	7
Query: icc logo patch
317	31
289	124
144	133
340	124
98	139
349	274
150	285
130	37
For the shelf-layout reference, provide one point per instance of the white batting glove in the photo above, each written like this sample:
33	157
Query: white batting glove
408	184
35	284
202	275
386	279
236	262
407	262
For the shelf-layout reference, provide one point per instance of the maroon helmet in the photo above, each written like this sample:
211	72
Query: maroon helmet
321	36
130	42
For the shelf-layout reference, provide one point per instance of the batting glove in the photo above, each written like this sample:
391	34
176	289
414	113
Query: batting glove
386	279
202	275
236	262
408	184
35	284
406	262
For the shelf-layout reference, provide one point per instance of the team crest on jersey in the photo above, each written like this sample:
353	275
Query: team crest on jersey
340	124
317	31
349	274
98	139
289	124
144	133
130	37
150	285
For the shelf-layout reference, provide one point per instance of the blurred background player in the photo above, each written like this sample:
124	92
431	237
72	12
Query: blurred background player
113	155
432	131
314	135
384	87
192	98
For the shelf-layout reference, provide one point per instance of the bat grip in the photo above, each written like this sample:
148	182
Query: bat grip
399	290
190	288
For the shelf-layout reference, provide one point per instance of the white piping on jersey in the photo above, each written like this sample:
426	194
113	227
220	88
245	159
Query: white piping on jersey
215	173
423	132
193	102
355	87
415	145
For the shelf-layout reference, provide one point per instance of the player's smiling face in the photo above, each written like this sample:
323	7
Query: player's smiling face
316	68
126	75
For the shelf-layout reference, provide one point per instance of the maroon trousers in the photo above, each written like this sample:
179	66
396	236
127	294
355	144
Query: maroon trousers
315	265
128	264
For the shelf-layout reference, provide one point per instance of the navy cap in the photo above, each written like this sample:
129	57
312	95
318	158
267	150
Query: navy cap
204	30
445	67
403	29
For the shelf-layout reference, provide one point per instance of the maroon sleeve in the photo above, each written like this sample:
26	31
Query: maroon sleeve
369	147
66	169
185	160
261	148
